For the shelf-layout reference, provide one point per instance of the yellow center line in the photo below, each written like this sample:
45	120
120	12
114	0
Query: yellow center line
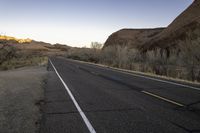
162	98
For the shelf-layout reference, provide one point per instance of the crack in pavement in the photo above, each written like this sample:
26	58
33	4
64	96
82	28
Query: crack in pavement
184	128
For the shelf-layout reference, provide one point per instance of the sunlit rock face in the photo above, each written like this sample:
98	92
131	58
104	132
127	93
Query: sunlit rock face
15	39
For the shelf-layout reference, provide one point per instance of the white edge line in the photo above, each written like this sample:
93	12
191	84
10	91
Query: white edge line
85	119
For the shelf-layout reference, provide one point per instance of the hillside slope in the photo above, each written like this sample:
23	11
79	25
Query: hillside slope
188	21
131	37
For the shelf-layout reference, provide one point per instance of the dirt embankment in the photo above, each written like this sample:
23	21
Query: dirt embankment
20	92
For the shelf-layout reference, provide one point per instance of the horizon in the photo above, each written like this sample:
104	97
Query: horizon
81	22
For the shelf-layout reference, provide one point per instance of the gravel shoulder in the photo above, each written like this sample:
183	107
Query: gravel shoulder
21	92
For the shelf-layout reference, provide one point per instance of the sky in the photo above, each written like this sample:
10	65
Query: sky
80	22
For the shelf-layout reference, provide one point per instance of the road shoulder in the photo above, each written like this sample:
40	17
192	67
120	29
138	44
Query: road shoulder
21	93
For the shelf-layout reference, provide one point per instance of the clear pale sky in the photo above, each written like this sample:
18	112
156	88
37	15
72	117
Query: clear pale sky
79	22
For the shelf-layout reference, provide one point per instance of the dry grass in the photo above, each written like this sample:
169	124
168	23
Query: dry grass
22	62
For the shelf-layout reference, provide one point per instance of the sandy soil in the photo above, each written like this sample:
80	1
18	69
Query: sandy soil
21	91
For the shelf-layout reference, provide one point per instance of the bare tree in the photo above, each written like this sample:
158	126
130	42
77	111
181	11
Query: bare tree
96	45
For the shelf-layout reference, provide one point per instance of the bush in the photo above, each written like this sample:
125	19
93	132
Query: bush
22	62
7	52
84	54
11	58
190	55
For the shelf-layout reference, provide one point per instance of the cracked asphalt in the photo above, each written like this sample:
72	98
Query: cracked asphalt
115	102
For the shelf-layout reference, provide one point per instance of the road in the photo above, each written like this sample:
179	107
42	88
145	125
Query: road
84	98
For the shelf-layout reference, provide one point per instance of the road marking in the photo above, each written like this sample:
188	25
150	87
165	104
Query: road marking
134	74
162	98
160	80
85	119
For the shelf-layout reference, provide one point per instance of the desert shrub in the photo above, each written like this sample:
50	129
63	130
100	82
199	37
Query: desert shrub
158	61
84	54
115	56
190	54
108	56
182	62
122	57
11	57
7	52
25	61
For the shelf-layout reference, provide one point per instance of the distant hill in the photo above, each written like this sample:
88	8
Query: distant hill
131	37
31	46
8	38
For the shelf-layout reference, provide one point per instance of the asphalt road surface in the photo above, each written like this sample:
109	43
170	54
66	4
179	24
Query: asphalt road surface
84	98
